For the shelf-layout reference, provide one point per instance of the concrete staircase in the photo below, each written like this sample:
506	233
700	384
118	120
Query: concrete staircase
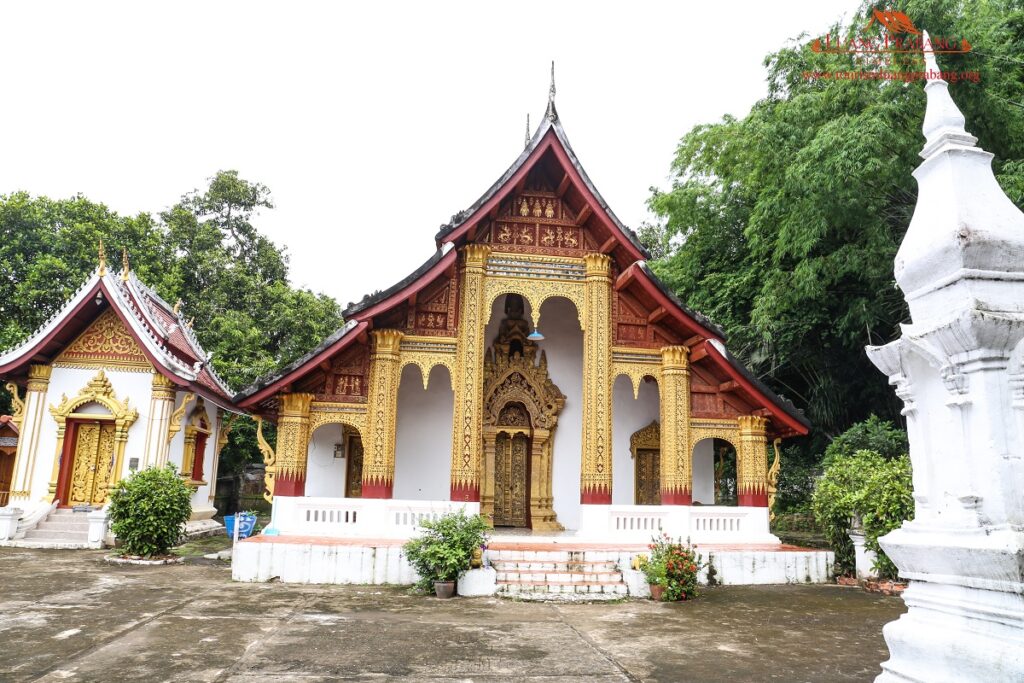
62	528
583	575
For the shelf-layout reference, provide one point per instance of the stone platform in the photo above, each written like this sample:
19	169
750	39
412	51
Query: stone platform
558	564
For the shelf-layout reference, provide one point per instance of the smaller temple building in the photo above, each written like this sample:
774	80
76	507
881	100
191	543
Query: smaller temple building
114	382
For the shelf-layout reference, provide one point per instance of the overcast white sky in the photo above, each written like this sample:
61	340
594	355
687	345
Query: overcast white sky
371	124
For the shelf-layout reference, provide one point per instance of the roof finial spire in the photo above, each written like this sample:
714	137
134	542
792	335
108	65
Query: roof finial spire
552	113
943	120
125	268
177	306
102	272
526	139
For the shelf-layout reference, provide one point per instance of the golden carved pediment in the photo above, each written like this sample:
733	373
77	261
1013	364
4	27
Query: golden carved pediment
105	343
520	378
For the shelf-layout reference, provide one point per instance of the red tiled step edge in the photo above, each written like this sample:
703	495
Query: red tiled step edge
560	583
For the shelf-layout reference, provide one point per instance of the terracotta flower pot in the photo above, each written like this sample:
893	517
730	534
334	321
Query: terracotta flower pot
444	589
656	591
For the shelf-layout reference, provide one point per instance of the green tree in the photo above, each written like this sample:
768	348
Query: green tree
205	250
782	225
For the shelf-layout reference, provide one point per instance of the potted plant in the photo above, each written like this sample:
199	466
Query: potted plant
444	549
654	573
672	569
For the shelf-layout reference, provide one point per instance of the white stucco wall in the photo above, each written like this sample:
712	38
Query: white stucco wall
201	498
704	472
423	439
136	386
629	415
563	343
325	474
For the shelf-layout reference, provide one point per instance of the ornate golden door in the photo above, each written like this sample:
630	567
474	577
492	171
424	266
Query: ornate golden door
648	476
511	480
354	467
93	457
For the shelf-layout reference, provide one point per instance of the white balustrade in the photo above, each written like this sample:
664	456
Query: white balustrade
704	524
358	517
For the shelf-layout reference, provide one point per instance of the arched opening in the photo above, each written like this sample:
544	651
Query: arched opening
423	440
630	475
520	368
334	464
714	472
197	435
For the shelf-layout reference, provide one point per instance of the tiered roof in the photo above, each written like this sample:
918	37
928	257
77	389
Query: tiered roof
549	153
159	329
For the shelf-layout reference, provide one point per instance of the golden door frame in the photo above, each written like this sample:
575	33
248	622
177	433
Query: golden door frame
518	380
98	390
644	439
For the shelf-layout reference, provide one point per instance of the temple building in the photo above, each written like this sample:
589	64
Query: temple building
114	382
534	368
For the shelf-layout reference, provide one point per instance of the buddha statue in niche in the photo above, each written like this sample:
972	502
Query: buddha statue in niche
514	328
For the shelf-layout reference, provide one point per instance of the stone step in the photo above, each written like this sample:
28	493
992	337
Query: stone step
573	566
553	555
559	577
62	525
508	588
45	535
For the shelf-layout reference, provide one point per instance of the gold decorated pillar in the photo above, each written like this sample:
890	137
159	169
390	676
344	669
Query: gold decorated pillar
292	445
467	420
596	475
676	459
161	405
752	461
382	404
31	417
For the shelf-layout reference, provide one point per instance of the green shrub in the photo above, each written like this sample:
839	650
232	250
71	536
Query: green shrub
149	509
873	434
800	468
445	547
867	484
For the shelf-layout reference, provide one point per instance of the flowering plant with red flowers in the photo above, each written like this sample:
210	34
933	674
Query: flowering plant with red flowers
680	563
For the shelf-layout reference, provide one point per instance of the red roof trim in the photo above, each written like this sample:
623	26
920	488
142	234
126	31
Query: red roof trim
27	355
413	288
672	307
548	142
778	414
298	372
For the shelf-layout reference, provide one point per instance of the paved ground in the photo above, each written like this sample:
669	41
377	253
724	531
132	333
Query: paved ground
66	615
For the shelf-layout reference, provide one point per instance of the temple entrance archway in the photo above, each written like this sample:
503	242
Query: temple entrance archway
645	447
90	457
520	412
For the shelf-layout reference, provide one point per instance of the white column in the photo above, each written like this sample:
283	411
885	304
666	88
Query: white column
959	368
161	405
28	437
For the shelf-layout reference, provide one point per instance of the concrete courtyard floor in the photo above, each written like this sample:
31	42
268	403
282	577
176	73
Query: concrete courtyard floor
67	615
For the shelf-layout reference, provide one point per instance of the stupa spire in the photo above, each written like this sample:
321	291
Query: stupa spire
526	139
125	268
964	226
943	121
552	113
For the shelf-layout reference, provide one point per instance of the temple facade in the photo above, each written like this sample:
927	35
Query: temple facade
534	368
114	382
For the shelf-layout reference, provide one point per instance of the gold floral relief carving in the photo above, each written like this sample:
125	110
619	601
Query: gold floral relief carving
174	425
349	414
382	404
676	429
597	384
105	343
269	461
17	404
